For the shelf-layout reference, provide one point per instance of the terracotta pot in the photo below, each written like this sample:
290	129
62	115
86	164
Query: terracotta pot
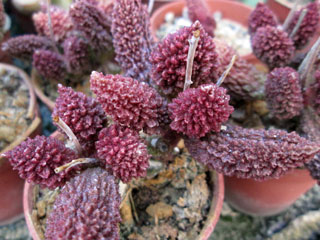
280	7
11	186
208	227
158	3
269	197
232	10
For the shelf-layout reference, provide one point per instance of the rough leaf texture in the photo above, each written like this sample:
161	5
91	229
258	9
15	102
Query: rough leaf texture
197	111
283	93
122	150
82	114
244	81
198	10
308	27
314	168
272	46
24	46
77	54
61	24
35	160
87	208
132	38
91	21
261	16
130	103
249	153
169	60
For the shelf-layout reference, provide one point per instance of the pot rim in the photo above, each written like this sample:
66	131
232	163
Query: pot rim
181	3
212	218
33	111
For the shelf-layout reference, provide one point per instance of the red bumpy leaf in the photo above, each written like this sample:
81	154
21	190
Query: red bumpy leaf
122	150
197	111
87	208
249	153
261	16
35	160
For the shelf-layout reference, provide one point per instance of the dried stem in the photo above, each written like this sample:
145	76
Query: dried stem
50	26
150	6
296	27
307	64
291	15
74	163
193	43
226	72
68	132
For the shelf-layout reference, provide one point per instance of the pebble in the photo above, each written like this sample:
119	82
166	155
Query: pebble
230	31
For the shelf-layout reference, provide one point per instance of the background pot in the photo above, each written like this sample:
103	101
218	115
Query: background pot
4	57
265	198
280	7
232	10
11	185
212	218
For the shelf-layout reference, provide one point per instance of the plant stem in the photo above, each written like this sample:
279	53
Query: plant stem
50	26
226	72
193	43
296	28
291	15
307	64
74	163
68	132
150	5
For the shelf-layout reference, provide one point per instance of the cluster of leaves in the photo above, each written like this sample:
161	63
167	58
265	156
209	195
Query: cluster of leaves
159	94
68	44
276	44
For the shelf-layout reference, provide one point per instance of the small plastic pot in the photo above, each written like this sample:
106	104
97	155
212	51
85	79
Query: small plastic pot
232	10
212	218
11	185
270	197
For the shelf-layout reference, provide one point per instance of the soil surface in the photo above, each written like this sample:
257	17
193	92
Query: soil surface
14	104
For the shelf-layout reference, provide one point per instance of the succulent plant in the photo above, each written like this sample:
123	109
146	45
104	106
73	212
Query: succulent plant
204	109
122	151
60	22
272	46
36	159
86	208
132	38
174	90
261	16
82	114
169	60
198	10
283	93
78	41
250	153
308	27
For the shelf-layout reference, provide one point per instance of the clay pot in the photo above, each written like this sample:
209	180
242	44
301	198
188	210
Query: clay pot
11	185
232	10
158	3
270	197
212	218
280	7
